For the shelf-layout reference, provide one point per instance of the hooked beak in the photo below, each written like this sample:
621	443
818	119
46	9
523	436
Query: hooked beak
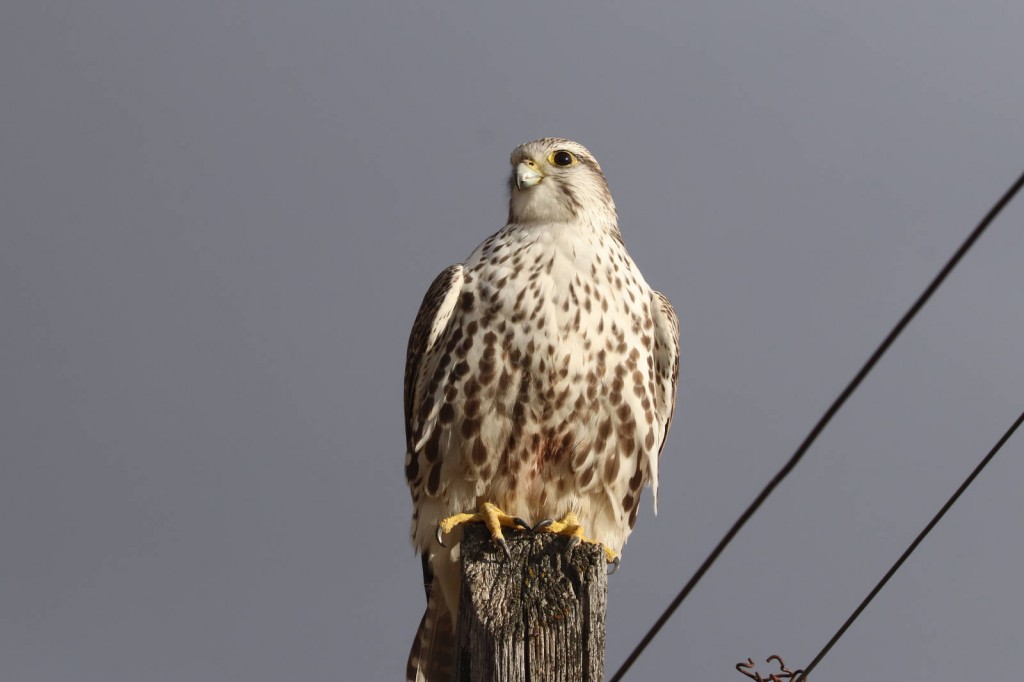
528	174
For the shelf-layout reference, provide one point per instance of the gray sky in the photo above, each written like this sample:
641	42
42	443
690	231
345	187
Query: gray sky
219	218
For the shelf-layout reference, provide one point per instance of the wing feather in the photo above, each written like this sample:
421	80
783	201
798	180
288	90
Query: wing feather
431	321
666	363
431	657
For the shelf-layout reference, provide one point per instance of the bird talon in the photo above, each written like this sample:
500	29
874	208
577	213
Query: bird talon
613	565
504	545
542	524
521	523
574	541
488	514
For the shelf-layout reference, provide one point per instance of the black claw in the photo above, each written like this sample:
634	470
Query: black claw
504	545
544	523
521	523
438	536
614	565
573	542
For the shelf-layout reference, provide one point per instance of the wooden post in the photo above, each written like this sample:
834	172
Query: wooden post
538	617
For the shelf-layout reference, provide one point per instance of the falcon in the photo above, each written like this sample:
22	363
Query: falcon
540	383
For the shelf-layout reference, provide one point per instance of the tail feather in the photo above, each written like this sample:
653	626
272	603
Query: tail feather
433	651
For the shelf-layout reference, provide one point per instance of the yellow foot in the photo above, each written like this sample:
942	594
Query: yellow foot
491	516
570	527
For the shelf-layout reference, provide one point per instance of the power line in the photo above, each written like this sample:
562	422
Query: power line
913	545
820	426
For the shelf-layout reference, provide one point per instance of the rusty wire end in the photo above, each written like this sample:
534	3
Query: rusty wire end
782	675
741	668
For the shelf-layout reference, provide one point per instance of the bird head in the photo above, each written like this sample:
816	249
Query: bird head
558	181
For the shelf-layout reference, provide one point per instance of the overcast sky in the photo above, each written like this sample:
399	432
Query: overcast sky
218	218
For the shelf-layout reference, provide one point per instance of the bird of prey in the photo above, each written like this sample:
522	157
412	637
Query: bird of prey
540	383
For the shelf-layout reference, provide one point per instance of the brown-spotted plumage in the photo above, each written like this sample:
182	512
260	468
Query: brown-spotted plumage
541	377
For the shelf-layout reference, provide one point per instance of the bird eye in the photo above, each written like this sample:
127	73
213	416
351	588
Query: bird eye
562	158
